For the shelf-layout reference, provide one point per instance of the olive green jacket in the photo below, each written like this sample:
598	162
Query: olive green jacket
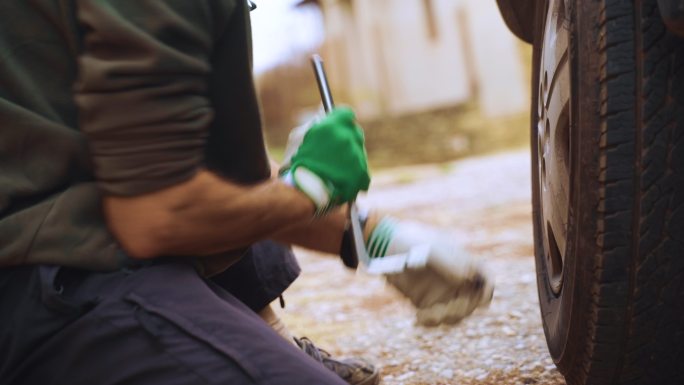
118	97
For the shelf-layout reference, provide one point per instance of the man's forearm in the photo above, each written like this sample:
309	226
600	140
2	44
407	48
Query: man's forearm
323	234
204	215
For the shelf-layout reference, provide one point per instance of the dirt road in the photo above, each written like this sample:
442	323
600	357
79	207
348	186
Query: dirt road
486	203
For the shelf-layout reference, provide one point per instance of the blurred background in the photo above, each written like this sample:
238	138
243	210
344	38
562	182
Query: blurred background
431	80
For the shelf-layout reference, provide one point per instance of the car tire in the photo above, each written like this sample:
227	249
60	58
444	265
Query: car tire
608	190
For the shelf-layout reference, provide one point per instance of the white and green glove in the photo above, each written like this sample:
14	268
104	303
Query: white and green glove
327	160
442	280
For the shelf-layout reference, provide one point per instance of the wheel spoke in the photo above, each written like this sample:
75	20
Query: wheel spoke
553	139
557	162
556	34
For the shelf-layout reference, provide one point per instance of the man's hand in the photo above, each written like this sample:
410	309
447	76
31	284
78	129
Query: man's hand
330	165
446	286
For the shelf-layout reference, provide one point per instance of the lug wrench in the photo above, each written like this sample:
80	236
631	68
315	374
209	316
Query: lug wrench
389	264
359	246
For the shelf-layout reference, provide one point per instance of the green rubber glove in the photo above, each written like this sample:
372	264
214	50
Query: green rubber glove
330	165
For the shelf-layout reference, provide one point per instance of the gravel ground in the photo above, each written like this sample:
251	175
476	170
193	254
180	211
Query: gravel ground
483	201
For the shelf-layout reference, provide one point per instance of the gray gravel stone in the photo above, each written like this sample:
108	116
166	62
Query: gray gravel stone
486	203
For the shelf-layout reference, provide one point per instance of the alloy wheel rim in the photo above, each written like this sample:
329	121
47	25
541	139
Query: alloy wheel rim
553	140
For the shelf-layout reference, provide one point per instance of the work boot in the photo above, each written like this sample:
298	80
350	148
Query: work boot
355	371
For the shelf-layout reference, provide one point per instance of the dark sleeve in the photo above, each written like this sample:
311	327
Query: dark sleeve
142	88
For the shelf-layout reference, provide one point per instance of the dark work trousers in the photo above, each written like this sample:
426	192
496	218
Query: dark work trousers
261	276
158	324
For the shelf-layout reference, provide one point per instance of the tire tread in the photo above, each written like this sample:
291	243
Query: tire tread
635	335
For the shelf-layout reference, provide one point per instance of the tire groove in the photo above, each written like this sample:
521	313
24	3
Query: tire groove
636	234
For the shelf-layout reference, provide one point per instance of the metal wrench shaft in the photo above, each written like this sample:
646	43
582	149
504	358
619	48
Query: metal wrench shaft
359	246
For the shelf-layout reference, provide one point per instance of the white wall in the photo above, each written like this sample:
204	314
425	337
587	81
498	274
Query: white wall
499	70
383	59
